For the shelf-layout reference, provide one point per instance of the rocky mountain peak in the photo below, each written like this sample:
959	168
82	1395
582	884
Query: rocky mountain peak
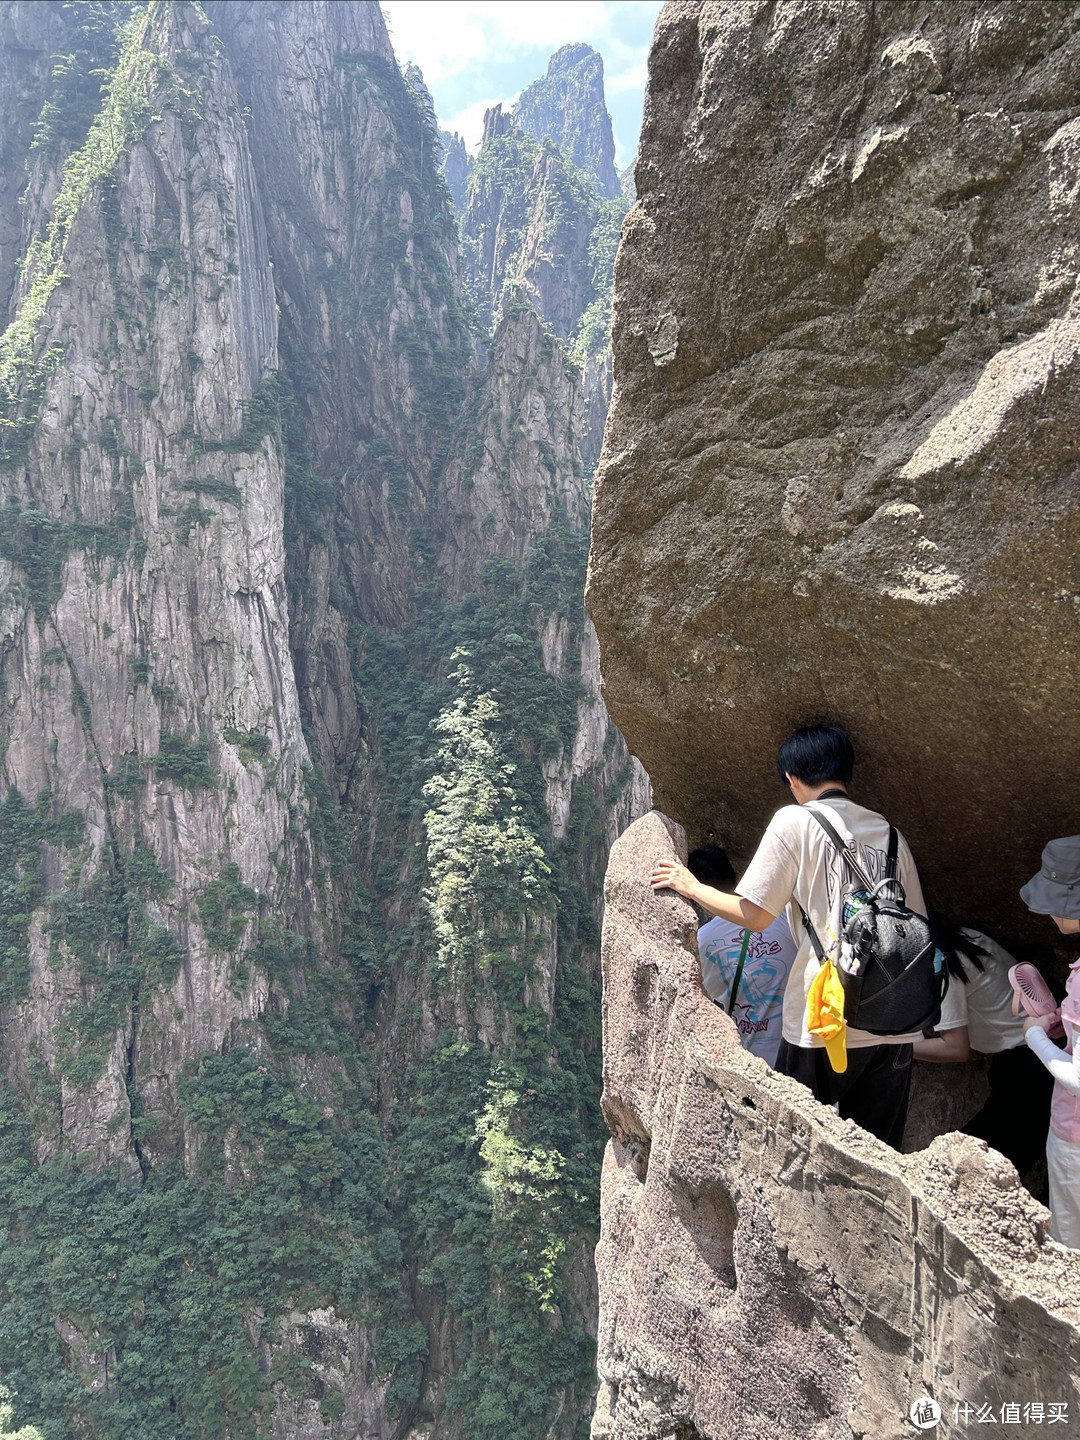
567	106
457	167
497	121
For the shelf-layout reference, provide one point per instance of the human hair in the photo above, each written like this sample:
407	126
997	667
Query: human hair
815	754
710	865
956	946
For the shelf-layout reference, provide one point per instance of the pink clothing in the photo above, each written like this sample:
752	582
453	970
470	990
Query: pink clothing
1065	1103
1065	1106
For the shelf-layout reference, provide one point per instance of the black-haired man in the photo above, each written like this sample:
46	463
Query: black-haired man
796	866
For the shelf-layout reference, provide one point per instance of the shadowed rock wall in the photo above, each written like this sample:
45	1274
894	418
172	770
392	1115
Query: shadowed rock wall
767	1269
840	472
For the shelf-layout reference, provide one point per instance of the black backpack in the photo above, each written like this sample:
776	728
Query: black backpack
893	975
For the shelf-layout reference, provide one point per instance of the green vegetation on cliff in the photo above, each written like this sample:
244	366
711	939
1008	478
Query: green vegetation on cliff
497	1134
400	1116
122	113
593	334
486	1181
178	1282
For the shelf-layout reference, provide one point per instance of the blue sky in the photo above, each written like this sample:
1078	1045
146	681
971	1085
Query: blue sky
476	52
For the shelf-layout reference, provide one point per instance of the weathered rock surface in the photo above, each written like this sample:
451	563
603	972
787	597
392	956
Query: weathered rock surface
839	476
567	105
767	1269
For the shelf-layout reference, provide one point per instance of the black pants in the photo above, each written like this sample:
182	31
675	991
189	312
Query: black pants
873	1090
1016	1116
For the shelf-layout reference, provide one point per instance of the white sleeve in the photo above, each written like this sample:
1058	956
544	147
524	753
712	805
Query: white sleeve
1062	1067
909	877
769	880
954	1008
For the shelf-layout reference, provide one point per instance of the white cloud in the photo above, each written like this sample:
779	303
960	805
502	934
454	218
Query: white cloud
468	49
618	81
443	37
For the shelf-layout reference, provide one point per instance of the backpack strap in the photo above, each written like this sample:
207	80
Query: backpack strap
846	852
816	944
890	859
892	866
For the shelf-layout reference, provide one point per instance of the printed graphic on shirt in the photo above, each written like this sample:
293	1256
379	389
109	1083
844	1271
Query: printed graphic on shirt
759	1001
873	863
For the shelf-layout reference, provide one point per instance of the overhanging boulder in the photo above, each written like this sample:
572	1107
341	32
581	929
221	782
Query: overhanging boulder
840	475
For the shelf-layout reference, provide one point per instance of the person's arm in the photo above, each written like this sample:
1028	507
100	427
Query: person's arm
948	1047
670	875
950	1044
1061	1065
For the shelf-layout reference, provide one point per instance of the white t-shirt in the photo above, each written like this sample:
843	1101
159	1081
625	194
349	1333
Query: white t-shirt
796	864
760	998
984	1004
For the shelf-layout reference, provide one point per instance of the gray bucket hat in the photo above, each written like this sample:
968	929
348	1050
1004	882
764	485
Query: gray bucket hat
1055	890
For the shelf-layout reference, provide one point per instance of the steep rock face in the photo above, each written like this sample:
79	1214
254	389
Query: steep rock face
141	537
567	105
526	226
30	34
365	257
522	468
839	474
457	166
307	781
769	1269
534	231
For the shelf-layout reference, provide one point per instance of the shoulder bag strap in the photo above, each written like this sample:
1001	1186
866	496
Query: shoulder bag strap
892	864
738	971
814	941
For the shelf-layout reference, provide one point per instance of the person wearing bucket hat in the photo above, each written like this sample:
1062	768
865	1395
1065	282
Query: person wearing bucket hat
1055	891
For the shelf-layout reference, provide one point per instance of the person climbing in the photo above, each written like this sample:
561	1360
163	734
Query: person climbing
977	1014
1055	891
744	972
796	866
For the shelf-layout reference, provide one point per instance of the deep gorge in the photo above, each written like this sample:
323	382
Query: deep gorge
317	840
308	787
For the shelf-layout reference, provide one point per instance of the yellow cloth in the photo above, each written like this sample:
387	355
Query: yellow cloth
825	1015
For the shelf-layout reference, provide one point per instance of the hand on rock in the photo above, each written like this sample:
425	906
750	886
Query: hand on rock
670	875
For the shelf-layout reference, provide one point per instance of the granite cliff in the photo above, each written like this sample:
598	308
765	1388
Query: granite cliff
307	785
838	482
567	106
535	229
